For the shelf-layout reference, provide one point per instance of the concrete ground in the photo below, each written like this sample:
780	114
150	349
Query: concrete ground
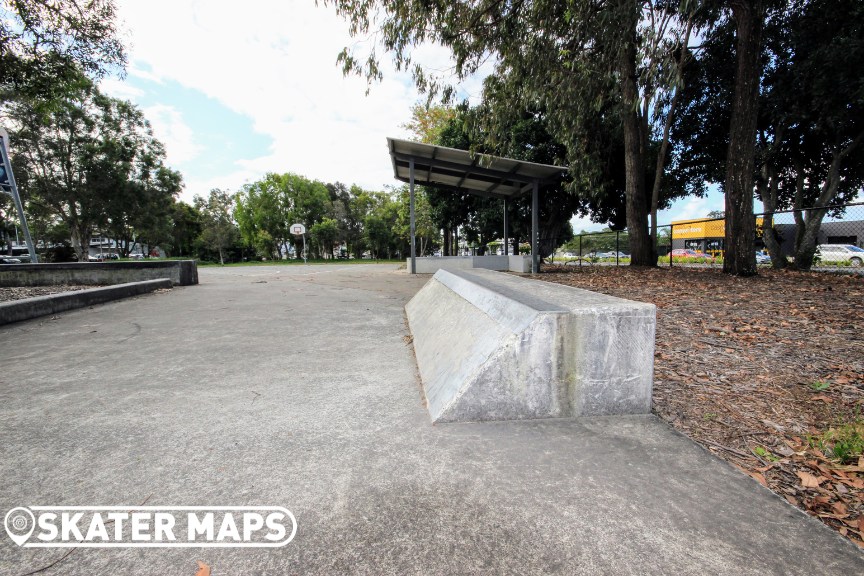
295	387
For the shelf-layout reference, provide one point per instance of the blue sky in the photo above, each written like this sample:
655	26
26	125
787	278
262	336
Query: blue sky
237	91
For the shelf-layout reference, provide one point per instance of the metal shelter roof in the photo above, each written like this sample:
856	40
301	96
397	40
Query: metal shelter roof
481	174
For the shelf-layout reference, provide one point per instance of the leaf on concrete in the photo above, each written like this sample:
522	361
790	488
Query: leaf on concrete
756	476
203	569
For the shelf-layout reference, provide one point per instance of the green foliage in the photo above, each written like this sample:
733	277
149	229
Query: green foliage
428	122
218	230
844	442
425	229
597	72
90	161
267	208
819	385
763	453
186	227
325	234
47	45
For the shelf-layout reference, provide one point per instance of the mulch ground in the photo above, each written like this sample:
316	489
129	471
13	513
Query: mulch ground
19	293
765	372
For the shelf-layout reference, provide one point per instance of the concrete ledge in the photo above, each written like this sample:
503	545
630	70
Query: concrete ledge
180	272
494	346
431	264
18	310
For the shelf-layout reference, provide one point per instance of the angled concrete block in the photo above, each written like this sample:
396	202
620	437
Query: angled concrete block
493	346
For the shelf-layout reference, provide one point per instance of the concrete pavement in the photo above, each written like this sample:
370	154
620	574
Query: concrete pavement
295	387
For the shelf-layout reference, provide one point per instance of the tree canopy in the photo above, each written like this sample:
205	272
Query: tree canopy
92	161
46	45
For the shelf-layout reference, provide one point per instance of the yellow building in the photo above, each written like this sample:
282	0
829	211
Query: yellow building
704	234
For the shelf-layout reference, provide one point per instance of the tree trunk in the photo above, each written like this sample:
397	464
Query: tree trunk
767	188
636	203
740	249
80	240
806	241
807	234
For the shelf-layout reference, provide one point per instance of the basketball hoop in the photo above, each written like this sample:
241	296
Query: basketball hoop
298	229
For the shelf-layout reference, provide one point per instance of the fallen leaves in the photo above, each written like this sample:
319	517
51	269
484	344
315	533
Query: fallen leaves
756	370
203	569
809	481
7	294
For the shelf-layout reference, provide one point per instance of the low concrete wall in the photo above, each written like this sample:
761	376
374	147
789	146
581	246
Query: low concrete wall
18	310
494	346
180	272
521	264
431	264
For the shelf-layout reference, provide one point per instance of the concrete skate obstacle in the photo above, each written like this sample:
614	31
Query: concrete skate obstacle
494	346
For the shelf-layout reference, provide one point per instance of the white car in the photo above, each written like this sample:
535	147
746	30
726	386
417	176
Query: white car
840	254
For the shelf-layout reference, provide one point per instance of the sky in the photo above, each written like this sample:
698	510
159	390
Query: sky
238	90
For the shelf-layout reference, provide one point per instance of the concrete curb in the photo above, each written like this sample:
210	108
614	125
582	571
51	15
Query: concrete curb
19	310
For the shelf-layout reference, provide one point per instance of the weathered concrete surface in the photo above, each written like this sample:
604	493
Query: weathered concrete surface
430	265
519	263
18	310
493	346
296	387
180	272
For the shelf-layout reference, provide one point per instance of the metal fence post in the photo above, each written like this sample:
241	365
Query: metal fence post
580	250
671	242
617	232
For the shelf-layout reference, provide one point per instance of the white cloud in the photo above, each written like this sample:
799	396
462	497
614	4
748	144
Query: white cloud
119	89
137	72
579	224
170	129
276	64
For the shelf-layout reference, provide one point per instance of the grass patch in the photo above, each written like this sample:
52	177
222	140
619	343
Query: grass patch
844	443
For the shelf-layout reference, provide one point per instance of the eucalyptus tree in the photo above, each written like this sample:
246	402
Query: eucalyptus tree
46	45
218	228
572	58
92	162
143	188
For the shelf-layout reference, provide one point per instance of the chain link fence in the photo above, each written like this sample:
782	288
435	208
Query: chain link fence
837	242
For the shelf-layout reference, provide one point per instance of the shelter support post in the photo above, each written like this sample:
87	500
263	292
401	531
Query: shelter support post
535	226
411	202
506	240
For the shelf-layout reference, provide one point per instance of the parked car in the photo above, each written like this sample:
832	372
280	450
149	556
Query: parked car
9	260
840	254
762	257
